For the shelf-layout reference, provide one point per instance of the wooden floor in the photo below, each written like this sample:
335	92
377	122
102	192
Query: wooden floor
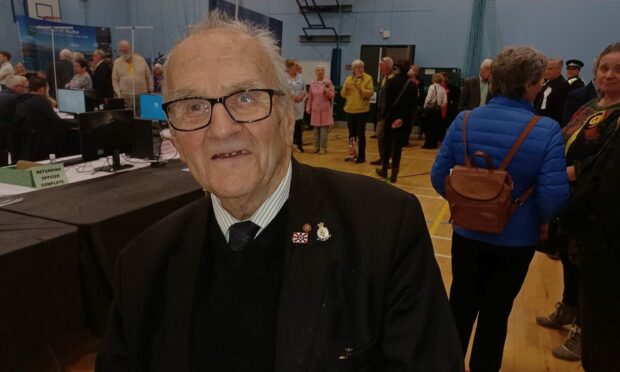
528	346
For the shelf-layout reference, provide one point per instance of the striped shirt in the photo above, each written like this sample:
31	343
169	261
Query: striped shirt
263	215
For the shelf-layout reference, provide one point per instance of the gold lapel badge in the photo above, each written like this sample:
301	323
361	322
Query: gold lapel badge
322	233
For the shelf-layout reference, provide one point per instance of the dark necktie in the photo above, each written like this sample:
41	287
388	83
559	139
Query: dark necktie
240	234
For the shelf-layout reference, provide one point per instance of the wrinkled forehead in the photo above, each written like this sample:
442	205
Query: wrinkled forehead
217	61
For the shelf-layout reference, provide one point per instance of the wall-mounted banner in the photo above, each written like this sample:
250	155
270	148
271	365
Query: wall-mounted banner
35	37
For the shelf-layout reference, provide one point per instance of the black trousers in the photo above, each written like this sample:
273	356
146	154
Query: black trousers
600	303
357	129
432	126
570	296
297	134
486	279
393	142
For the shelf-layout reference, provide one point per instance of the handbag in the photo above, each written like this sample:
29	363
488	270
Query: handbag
433	106
480	199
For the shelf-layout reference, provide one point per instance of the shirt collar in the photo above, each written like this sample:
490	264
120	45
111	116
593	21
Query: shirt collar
264	214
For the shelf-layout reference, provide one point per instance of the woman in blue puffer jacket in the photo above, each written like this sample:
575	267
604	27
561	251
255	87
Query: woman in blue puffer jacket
488	270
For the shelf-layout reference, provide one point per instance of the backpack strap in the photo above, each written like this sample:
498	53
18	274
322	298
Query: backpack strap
519	201
467	161
520	140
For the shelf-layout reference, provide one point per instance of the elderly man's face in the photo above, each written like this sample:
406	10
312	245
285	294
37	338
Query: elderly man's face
554	69
485	72
124	49
96	57
236	162
383	67
358	70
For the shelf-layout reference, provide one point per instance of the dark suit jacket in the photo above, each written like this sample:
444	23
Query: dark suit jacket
555	99
577	98
373	288
64	73
36	129
102	80
470	94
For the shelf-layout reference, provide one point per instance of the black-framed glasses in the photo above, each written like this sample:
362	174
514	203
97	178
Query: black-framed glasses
246	106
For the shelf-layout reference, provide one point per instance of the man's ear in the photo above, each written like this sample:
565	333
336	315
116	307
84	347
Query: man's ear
288	121
177	146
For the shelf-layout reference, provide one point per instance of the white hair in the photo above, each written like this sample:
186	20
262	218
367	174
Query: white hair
357	62
319	66
264	37
389	61
486	63
14	80
99	52
66	54
78	56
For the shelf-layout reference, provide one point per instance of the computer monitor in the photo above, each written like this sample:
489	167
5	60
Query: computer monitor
113	104
72	101
106	133
150	107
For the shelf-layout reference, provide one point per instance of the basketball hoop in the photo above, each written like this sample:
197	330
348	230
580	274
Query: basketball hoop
51	18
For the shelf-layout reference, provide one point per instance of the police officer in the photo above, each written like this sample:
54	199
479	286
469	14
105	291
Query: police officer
573	66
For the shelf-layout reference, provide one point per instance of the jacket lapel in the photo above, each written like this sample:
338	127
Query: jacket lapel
179	291
303	277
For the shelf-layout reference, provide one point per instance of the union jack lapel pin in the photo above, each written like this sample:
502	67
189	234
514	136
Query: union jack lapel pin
300	237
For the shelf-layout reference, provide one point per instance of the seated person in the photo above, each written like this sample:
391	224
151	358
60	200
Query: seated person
36	129
15	86
81	79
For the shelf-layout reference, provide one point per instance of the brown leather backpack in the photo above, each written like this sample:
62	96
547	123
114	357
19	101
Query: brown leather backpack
480	199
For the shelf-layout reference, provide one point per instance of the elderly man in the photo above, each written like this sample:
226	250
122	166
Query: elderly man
63	73
357	90
476	90
15	87
130	74
550	100
386	65
102	74
276	269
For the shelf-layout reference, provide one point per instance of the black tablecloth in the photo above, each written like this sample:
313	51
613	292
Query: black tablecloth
109	213
40	296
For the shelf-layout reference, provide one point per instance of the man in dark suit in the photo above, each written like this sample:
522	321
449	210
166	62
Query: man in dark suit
15	87
309	280
36	130
476	91
102	75
577	98
64	72
550	100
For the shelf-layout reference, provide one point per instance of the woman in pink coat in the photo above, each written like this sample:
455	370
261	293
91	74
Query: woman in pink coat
319	107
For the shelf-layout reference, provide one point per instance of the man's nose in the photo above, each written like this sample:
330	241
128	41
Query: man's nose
222	125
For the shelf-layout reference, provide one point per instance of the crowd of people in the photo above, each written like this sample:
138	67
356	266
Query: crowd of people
569	159
369	307
33	134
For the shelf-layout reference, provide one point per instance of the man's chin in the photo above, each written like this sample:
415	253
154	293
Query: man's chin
232	187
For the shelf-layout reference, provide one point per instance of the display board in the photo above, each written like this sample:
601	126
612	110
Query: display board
35	36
